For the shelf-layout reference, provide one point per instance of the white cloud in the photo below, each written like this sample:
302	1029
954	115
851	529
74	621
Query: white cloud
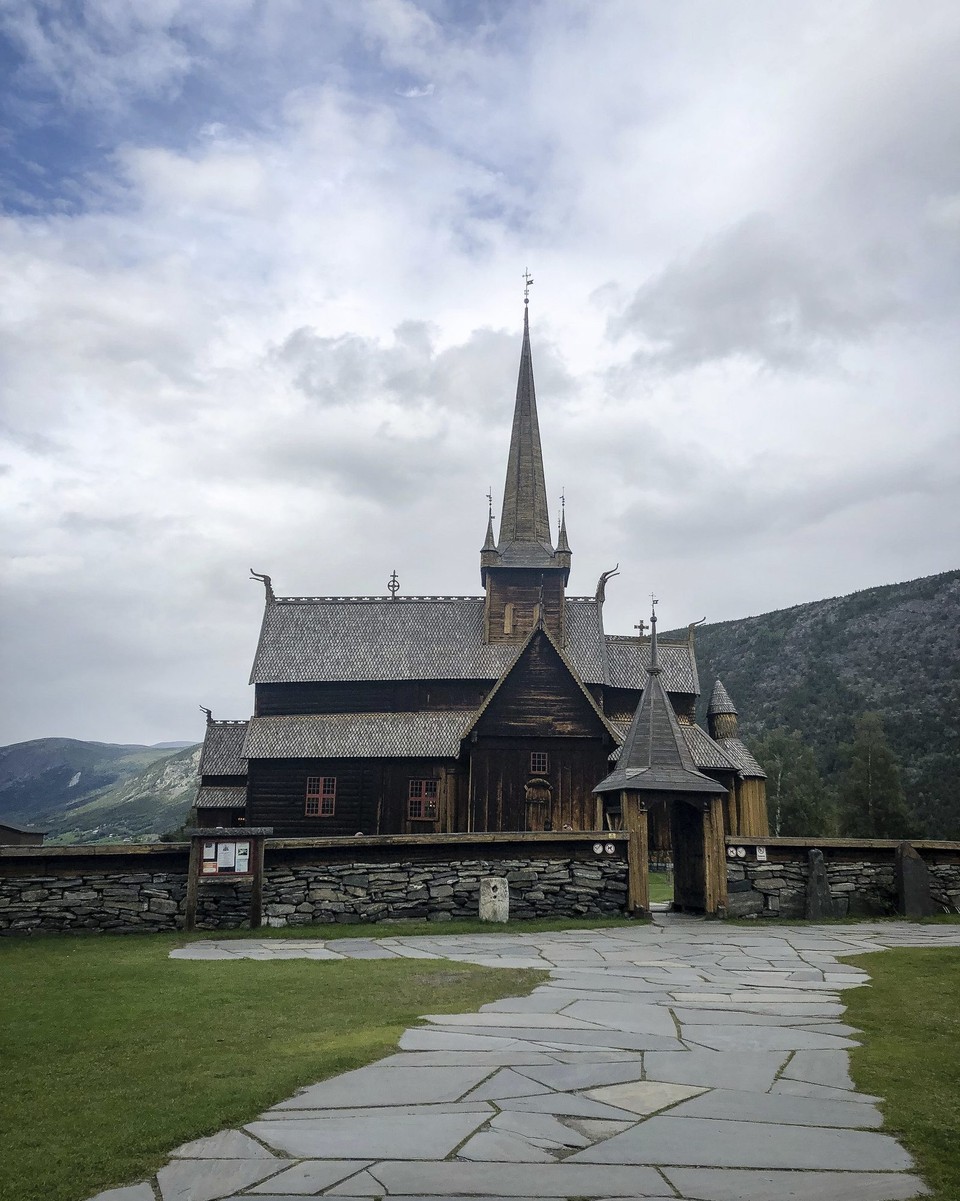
282	331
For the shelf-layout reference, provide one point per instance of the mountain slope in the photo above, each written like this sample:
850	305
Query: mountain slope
816	667
91	791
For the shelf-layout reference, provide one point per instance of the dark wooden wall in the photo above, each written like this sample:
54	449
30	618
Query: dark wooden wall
540	698
500	772
371	796
521	588
369	696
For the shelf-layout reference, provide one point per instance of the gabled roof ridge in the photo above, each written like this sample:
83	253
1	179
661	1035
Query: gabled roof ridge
575	675
373	600
643	641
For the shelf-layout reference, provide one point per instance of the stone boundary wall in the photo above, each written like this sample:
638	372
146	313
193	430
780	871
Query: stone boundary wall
861	875
304	885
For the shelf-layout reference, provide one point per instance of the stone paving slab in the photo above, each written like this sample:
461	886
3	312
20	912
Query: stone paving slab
705	1142
708	1185
377	1134
680	1059
388	1084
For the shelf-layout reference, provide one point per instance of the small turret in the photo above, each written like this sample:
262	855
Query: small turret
721	713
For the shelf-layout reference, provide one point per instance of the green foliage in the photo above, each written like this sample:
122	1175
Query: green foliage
816	667
908	1056
872	804
117	1054
797	799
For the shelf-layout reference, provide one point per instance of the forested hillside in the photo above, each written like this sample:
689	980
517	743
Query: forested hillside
816	667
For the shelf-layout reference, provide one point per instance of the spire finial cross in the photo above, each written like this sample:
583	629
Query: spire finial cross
527	281
490	502
641	626
393	585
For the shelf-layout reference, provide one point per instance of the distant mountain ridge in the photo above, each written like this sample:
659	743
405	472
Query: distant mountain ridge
816	667
97	791
813	668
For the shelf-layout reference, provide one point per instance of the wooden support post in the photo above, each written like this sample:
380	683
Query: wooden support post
714	858
256	888
193	876
638	854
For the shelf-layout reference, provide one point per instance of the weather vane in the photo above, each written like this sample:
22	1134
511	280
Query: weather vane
527	281
490	502
653	607
563	509
393	586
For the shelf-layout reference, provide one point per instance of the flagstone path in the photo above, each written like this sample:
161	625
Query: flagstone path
678	1060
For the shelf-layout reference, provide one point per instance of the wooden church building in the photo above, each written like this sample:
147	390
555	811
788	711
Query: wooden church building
444	714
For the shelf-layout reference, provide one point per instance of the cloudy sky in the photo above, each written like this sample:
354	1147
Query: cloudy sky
261	305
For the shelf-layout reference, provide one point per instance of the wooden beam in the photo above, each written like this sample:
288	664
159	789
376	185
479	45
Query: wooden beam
193	877
256	890
638	854
717	854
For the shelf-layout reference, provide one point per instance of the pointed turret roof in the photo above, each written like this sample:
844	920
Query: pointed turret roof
563	546
720	701
525	521
655	756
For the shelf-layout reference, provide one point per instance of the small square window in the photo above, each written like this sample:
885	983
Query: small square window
321	798
539	763
422	796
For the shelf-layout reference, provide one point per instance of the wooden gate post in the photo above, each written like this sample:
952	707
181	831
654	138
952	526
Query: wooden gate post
638	854
714	858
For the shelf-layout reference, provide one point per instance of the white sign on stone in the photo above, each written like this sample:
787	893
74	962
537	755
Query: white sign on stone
494	899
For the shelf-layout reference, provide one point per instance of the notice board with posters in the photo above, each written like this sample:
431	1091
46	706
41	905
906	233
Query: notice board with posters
225	855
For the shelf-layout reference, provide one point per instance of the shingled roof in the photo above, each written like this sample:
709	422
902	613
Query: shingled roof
655	756
720	701
746	764
433	735
222	753
331	638
210	797
627	660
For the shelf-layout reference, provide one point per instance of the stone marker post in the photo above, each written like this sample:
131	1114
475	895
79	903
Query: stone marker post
494	899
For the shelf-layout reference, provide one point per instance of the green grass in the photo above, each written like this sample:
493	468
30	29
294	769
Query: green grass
911	1021
661	887
114	1054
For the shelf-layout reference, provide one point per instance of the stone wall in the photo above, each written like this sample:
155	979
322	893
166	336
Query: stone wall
862	877
296	893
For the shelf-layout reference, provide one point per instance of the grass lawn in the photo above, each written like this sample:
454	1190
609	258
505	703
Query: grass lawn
114	1054
911	1021
661	887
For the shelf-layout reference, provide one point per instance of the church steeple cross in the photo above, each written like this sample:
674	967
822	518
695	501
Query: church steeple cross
527	281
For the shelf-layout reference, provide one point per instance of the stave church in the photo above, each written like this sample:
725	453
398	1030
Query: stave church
510	710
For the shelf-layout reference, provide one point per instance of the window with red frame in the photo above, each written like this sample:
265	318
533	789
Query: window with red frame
539	763
321	796
422	798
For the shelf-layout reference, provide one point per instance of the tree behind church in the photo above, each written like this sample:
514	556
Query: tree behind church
798	802
872	801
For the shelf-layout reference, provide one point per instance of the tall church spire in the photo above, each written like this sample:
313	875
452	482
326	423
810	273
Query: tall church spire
524	518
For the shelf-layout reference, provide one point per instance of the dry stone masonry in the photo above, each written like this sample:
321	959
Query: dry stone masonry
303	895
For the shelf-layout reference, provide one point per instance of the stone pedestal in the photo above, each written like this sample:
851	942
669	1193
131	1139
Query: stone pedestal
494	899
